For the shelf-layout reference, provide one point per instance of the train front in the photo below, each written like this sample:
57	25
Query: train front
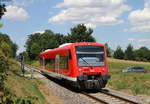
92	66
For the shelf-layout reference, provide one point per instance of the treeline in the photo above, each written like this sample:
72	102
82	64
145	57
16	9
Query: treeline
141	54
38	42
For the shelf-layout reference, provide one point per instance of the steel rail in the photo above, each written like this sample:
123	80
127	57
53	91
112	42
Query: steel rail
95	98
122	98
108	101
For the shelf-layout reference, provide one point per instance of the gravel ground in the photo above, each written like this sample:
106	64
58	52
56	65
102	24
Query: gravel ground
67	95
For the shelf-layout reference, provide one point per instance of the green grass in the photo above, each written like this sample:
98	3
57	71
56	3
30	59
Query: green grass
23	87
35	63
116	66
36	91
138	83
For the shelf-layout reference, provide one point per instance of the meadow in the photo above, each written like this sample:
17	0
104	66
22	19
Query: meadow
134	83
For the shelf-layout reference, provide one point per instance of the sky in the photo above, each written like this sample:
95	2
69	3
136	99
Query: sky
116	22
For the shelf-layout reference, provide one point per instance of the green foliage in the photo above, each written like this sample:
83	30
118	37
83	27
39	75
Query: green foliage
2	9
129	53
3	67
37	42
25	56
119	54
24	100
108	50
4	94
7	46
142	54
81	34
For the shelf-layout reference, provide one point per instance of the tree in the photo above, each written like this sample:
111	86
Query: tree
37	43
81	34
142	54
108	50
119	54
61	39
129	53
2	10
7	46
6	49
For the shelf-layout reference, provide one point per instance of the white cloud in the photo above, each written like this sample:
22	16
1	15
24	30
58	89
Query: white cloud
93	12
41	32
139	40
89	25
140	19
20	50
16	13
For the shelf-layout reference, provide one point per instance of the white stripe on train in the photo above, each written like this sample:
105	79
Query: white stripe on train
59	76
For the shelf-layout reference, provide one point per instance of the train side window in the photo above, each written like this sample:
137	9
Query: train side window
47	63
50	63
63	62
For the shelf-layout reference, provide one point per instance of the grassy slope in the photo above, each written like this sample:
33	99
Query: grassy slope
35	89
23	87
135	83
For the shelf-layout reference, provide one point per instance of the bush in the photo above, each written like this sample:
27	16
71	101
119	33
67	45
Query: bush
4	94
3	67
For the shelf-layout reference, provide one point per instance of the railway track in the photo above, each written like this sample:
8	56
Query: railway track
105	96
111	98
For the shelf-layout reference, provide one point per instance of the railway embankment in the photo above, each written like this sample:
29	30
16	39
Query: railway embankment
27	90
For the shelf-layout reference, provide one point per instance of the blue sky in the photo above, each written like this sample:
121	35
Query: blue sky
117	22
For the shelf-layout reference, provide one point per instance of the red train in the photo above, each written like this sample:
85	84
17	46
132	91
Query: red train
83	64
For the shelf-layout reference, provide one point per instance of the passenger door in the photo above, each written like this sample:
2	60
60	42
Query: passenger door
57	64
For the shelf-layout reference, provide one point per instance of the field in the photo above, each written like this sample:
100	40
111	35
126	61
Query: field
134	83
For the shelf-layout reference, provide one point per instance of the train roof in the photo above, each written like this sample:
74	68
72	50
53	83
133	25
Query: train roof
68	46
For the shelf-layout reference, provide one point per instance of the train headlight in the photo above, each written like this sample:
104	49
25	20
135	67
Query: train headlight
80	70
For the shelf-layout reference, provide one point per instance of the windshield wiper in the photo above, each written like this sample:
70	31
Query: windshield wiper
85	61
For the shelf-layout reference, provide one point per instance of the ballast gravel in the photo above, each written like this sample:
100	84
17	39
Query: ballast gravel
67	95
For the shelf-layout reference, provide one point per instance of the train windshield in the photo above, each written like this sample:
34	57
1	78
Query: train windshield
90	55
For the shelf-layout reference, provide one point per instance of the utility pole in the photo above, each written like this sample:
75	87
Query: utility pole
22	64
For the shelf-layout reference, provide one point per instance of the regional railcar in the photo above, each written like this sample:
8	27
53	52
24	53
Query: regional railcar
83	64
